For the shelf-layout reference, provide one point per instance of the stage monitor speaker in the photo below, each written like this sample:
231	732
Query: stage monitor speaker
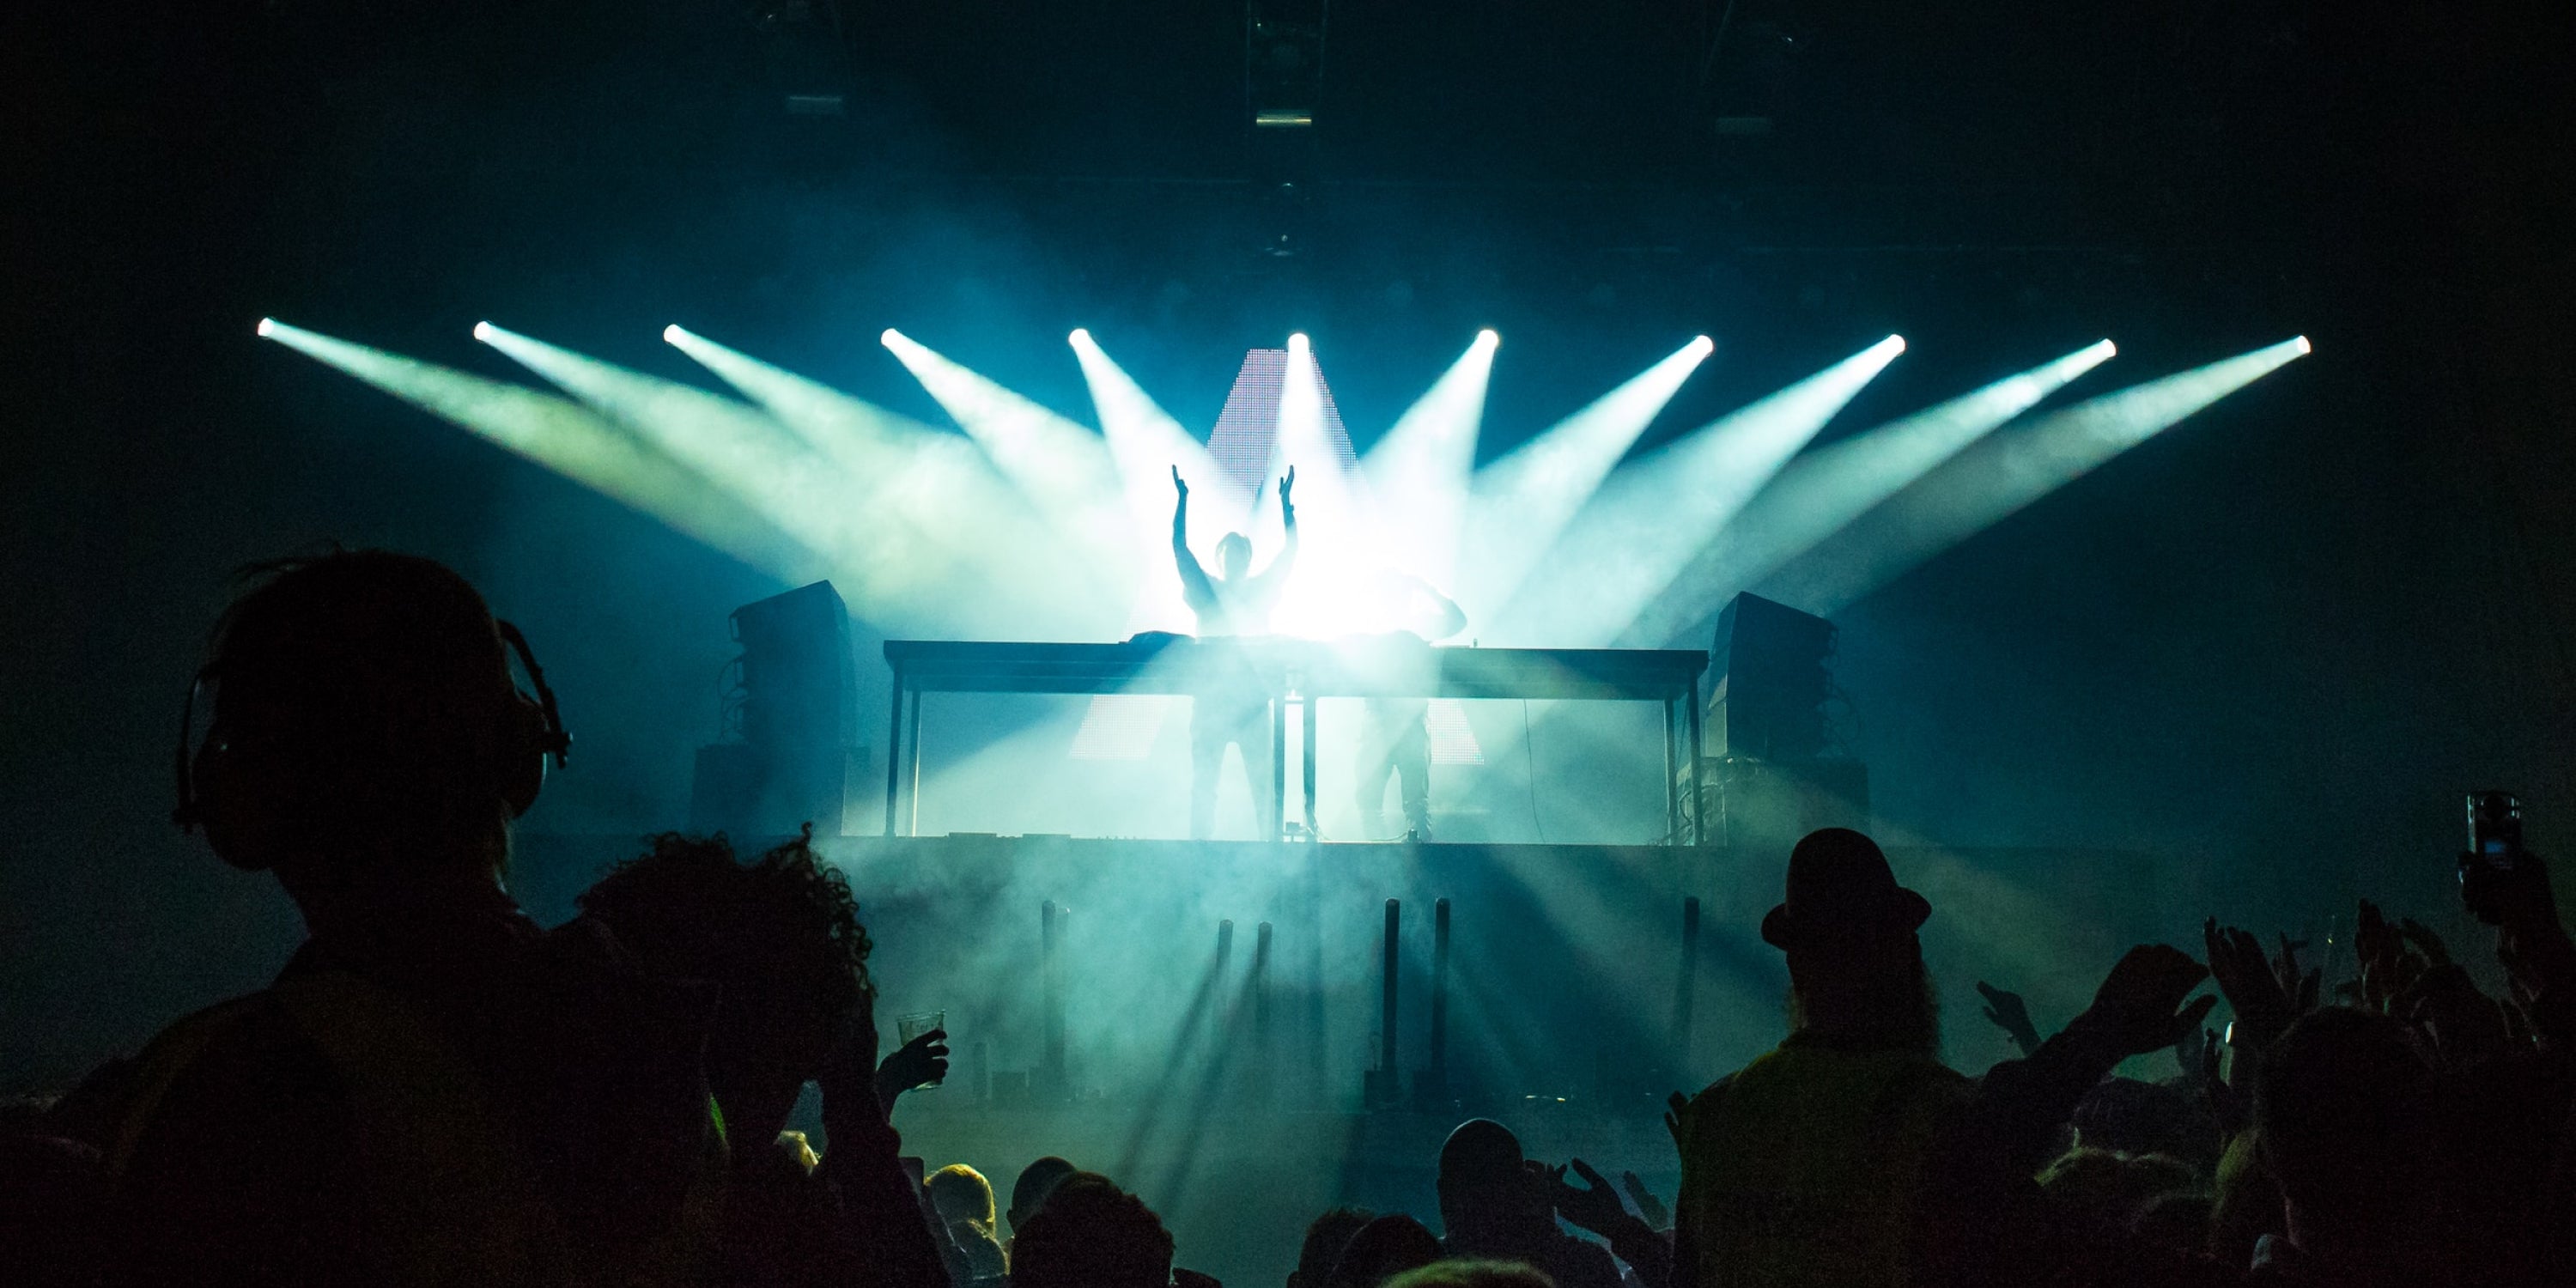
799	680
791	754
1767	698
1745	803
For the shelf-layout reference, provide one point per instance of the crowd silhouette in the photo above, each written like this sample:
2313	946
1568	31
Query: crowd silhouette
438	1091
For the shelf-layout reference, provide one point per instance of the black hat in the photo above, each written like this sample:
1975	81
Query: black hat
1840	886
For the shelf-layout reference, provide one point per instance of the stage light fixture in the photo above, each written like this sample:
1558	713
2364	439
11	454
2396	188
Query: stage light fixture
1650	519
483	332
1080	336
1488	338
672	334
1297	343
2004	473
265	327
2302	342
1820	491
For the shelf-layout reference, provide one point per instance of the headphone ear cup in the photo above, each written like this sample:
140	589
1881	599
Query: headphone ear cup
215	783
523	762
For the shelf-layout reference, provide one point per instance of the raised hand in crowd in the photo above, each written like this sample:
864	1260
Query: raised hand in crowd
2253	984
1655	1211
2005	1010
2140	1008
1595	1206
919	1063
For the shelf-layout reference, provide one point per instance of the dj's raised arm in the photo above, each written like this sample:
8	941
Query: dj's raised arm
1194	578
1278	570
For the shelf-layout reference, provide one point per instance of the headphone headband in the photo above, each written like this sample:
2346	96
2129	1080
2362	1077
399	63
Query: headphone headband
552	739
555	742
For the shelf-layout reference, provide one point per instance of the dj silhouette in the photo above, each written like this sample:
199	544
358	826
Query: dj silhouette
1233	709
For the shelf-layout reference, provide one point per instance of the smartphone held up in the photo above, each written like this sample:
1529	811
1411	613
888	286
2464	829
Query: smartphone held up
2495	852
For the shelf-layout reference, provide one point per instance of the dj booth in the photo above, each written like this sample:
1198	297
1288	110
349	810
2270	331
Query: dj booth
1296	673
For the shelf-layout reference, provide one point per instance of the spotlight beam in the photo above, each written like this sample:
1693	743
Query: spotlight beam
921	476
1647	522
906	577
2004	473
1145	444
1820	491
1063	468
571	440
1427	462
1521	502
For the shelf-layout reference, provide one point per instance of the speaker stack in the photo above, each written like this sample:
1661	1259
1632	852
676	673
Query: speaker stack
790	755
1773	773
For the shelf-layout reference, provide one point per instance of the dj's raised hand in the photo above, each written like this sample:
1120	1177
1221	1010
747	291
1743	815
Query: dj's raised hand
1178	485
1286	486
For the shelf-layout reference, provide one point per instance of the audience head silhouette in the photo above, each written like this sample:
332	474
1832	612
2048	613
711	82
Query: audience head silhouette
1473	1274
364	726
1030	1191
1382	1249
779	937
959	1193
1321	1249
1488	1199
1092	1234
1855	960
2342	1111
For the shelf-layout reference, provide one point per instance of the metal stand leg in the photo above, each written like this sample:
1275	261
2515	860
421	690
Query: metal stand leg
914	828
1279	768
894	751
1672	784
1698	829
1308	705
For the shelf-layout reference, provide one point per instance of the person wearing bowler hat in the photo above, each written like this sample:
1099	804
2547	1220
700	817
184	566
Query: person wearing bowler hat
1809	1165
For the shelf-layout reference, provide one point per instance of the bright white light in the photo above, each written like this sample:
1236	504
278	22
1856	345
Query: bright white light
1145	443
1488	338
1705	345
1333	509
2109	350
573	441
1420	470
1649	521
908	580
2004	473
672	334
2302	342
1822	490
1522	501
483	332
1081	335
932	495
1063	468
266	325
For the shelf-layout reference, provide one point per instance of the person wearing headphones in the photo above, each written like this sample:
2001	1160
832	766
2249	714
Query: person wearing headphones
433	1089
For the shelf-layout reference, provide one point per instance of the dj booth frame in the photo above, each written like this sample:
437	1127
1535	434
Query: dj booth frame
1302	673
